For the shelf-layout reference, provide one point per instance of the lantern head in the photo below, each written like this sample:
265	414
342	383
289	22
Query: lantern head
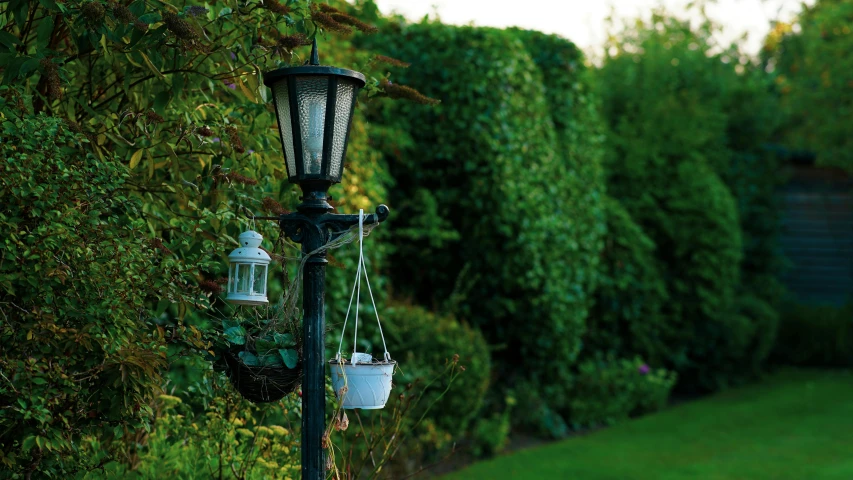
314	106
247	271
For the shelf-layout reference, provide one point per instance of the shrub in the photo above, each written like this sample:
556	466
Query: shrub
627	317
517	221
765	321
606	391
210	430
753	176
815	336
663	99
424	343
80	351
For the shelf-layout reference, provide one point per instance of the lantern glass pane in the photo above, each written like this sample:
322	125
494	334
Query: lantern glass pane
259	285
282	104
244	275
230	277
343	112
311	94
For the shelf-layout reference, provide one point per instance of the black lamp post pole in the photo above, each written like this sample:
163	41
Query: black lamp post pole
313	225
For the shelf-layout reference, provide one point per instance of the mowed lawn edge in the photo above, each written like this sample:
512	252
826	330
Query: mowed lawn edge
795	424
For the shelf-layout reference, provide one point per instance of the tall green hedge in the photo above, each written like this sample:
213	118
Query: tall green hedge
667	140
628	318
510	220
688	122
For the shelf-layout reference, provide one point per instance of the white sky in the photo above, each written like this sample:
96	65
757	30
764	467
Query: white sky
582	21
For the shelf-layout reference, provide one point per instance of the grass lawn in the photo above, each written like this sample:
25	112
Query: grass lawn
796	425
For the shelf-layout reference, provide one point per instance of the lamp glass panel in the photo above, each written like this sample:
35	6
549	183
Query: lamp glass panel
259	286
343	112
282	104
230	277
311	94
244	276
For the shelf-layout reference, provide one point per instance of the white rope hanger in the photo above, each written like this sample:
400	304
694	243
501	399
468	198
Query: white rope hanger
355	295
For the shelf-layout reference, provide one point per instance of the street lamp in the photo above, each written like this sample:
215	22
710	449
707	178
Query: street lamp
314	106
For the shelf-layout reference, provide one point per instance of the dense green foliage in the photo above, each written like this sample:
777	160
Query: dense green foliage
627	318
81	348
688	125
172	97
498	180
804	417
814	70
606	391
424	343
211	432
816	336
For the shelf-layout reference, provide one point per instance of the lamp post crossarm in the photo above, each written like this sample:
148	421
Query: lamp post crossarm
325	227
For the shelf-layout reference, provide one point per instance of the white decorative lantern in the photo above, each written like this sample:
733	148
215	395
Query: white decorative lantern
247	272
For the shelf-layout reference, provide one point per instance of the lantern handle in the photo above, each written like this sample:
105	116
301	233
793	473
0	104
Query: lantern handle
251	216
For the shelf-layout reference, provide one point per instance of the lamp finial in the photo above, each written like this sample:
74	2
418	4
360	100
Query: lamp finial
315	57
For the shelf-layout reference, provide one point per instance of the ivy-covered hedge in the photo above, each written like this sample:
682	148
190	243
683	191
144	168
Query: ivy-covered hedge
81	350
512	217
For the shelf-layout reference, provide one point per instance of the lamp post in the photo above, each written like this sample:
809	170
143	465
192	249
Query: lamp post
314	105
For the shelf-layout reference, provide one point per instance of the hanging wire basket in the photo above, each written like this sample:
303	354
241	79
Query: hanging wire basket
262	384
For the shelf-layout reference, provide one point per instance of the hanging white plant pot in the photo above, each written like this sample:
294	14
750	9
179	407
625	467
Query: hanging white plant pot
362	385
362	382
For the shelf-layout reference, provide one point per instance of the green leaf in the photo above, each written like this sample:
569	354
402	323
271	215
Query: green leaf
170	151
44	31
289	356
284	340
236	335
150	18
225	11
226	324
29	66
263	346
161	100
39	381
28	444
8	40
12	69
49	4
151	67
135	158
270	360
249	359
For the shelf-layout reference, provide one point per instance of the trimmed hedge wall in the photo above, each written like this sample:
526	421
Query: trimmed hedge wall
627	318
512	218
687	129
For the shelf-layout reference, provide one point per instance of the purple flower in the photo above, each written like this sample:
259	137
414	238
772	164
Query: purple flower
233	56
216	140
644	369
232	86
251	151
